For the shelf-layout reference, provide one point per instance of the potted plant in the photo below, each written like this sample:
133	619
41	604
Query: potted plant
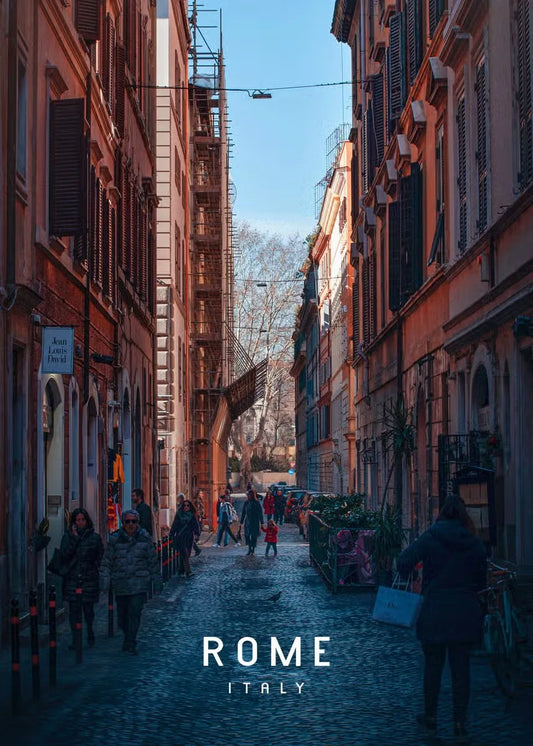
389	536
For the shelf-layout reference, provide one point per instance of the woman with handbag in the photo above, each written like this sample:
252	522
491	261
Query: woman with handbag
450	621
184	531
81	553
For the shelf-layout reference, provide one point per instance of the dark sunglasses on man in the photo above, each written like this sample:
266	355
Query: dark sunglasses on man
131	520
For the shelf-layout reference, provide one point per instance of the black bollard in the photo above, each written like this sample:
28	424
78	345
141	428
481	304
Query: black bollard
34	635
110	623
170	558
159	555
78	629
52	637
15	656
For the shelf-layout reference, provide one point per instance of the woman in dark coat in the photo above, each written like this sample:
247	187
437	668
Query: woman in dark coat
184	531
450	621
252	518
81	551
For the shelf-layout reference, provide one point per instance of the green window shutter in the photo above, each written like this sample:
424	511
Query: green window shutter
378	115
394	255
355	312
67	167
462	174
414	38
524	94
366	301
372	300
436	9
364	152
482	145
87	19
397	65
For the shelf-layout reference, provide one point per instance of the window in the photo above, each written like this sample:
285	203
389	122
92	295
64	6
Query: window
437	247
482	155
67	167
179	368
22	119
462	186
524	19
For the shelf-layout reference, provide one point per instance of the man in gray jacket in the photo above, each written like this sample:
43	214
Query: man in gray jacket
130	564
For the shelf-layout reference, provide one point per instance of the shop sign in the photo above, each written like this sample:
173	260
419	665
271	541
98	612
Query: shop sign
58	349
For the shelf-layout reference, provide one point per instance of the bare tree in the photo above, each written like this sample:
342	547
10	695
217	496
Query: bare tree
267	293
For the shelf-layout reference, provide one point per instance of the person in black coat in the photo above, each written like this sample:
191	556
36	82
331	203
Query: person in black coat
81	551
252	518
143	509
185	530
454	571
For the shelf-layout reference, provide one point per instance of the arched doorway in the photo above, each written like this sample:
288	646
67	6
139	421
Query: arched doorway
53	445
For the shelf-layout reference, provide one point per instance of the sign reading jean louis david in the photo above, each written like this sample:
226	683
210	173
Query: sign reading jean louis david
58	349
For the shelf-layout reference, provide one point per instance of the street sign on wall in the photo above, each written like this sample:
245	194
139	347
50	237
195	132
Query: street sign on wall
58	349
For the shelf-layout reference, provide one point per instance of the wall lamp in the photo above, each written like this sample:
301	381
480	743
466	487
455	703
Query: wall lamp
259	94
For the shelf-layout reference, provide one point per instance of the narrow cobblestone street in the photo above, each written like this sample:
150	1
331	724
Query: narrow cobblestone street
368	695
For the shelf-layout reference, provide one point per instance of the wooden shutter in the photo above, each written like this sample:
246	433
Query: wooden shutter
87	19
67	167
364	152
482	146
355	314
414	38
397	65
416	245
378	110
372	300
436	9
394	256
366	301
120	78
135	237
126	223
462	174
106	244
143	257
108	62
411	233
524	95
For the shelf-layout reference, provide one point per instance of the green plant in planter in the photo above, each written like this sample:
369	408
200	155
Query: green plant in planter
343	511
389	537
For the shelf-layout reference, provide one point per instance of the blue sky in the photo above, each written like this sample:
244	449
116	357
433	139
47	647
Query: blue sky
279	150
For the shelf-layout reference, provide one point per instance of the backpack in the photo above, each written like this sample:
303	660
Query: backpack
232	513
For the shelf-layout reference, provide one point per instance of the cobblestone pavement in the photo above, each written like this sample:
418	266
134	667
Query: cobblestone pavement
368	696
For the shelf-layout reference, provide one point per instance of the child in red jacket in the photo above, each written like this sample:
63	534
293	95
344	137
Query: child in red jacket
271	537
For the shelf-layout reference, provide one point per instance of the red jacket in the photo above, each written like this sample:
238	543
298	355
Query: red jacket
268	504
271	534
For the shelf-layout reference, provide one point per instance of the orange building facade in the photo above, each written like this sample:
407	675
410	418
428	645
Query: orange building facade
77	262
442	303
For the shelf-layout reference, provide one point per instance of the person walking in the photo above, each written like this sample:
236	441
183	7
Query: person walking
143	509
268	504
252	519
81	551
279	507
130	564
226	515
271	537
450	621
183	532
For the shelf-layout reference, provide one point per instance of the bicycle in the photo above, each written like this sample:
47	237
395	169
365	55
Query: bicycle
503	633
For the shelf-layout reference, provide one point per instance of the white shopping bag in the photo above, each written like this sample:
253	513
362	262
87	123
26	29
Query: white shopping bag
395	606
